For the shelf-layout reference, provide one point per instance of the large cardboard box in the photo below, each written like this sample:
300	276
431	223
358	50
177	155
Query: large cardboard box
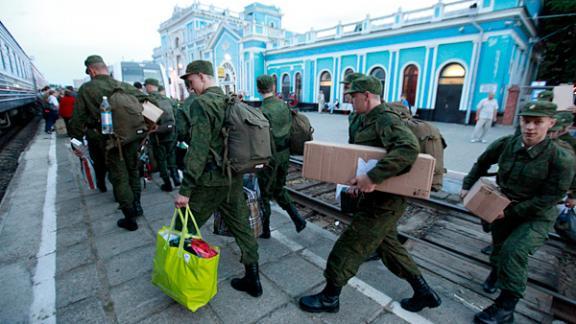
337	163
485	200
151	112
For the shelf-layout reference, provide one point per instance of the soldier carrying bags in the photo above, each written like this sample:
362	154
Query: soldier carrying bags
206	187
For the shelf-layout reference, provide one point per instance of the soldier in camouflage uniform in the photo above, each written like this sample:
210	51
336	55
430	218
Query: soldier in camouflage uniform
561	135
163	138
123	169
354	119
273	177
534	173
374	226
205	186
182	116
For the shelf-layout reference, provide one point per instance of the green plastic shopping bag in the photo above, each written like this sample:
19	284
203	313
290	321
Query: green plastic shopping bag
189	279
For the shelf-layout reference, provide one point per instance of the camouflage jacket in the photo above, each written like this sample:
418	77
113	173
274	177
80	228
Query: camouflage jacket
280	118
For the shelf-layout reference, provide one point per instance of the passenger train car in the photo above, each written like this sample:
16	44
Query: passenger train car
20	81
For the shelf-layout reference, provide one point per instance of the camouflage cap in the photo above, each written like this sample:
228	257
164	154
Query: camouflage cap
152	82
539	109
93	59
351	77
563	119
365	84
546	95
265	83
198	66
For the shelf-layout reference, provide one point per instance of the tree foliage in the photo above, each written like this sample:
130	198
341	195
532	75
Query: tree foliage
557	43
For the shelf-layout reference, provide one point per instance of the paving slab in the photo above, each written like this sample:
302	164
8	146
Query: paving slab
179	314
88	310
76	285
229	301
294	275
73	256
121	241
130	264
16	293
287	314
137	299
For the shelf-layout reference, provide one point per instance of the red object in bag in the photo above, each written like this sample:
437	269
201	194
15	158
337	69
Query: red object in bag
202	249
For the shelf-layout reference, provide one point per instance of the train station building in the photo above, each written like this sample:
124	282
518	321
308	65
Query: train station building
444	58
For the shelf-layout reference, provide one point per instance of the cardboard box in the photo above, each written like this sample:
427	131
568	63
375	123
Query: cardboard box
337	163
485	200
151	112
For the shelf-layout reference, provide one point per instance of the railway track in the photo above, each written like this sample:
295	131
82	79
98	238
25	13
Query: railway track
13	141
446	239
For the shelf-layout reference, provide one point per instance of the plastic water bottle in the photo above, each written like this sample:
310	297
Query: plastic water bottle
106	116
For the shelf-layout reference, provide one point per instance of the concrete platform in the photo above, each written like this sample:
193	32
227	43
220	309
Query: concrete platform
64	260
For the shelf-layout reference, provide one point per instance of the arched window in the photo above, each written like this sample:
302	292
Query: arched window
298	86
325	85
285	86
410	83
452	74
379	74
177	42
275	83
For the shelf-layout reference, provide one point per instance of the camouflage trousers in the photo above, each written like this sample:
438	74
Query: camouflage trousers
123	173
271	181
514	240
164	152
373	228
231	204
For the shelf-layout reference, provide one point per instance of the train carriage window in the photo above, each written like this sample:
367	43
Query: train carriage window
3	55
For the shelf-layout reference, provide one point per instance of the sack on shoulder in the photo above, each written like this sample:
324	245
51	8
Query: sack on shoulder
246	137
300	132
167	122
127	118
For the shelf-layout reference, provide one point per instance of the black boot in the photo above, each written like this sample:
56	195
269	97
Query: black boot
250	283
489	284
265	226
326	301
167	186
502	311
423	296
138	206
175	177
373	257
298	221
128	222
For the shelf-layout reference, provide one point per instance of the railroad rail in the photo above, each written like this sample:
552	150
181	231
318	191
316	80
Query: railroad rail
446	240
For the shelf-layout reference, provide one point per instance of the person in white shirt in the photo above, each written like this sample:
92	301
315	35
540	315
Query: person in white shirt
52	114
486	112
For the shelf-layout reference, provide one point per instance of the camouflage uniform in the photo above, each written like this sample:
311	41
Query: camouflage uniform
206	183
273	177
374	226
164	141
123	172
534	179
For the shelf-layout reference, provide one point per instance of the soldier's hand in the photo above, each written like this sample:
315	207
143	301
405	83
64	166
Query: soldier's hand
363	183
570	202
500	216
463	193
353	191
153	128
181	201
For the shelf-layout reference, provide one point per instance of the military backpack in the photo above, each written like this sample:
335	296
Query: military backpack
167	122
127	118
429	138
247	143
300	132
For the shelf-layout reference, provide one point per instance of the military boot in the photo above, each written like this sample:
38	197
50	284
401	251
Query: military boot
328	300
298	221
167	186
250	283
502	311
138	206
128	222
175	177
265	227
489	284
423	296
